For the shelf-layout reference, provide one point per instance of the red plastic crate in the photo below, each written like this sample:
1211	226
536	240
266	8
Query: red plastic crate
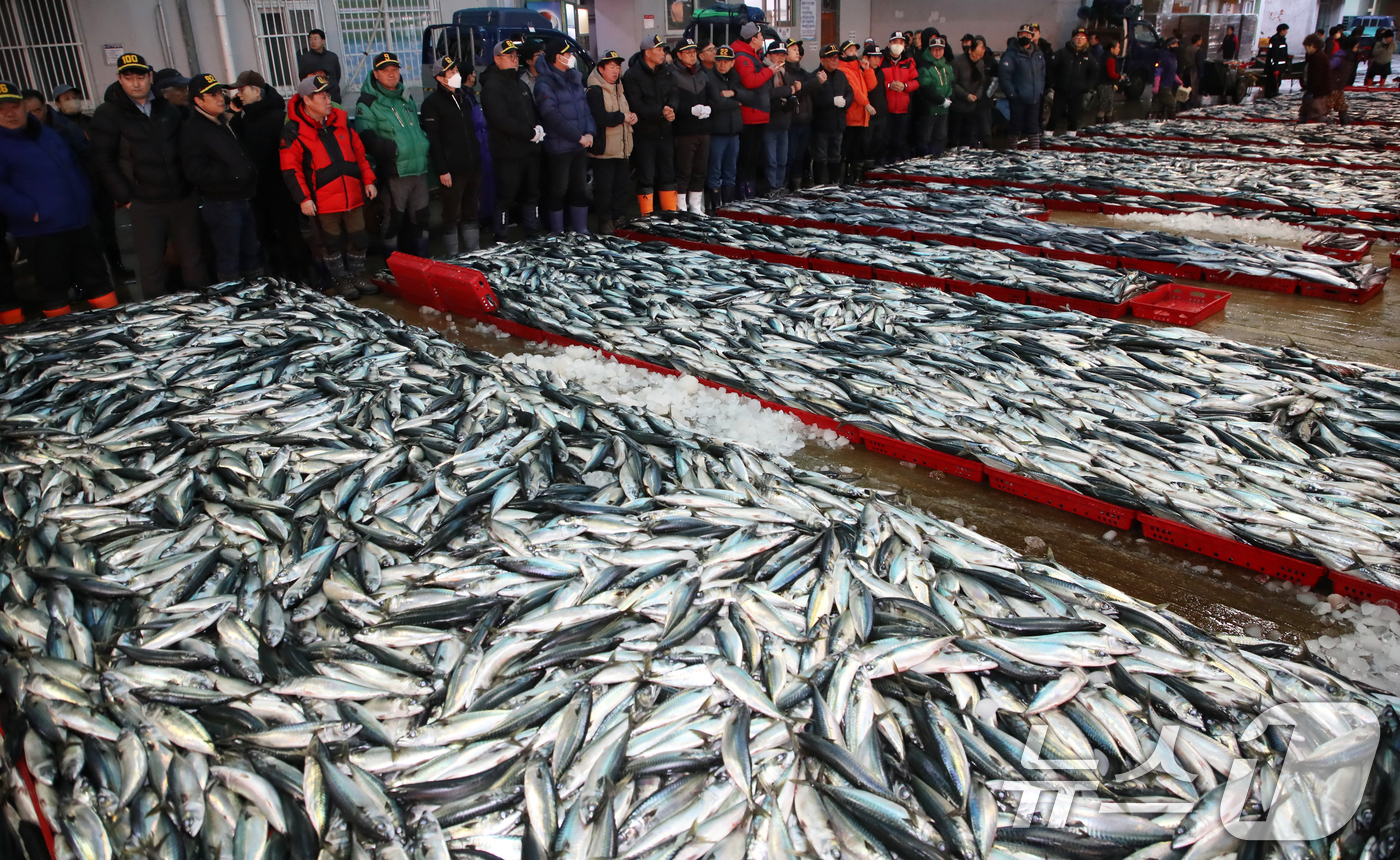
1080	256
780	259
1001	294
1254	282
1363	590
462	290
1338	294
1058	497
908	279
1157	267
969	469
1234	552
1123	209
943	239
1338	253
1081	189
1093	308
1179	305
411	280
850	270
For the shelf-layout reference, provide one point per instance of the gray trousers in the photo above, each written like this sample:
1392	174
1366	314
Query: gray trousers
153	226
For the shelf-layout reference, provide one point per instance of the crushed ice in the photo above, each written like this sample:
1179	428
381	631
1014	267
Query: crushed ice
1218	226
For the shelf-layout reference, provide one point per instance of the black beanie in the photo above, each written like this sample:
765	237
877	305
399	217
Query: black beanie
928	33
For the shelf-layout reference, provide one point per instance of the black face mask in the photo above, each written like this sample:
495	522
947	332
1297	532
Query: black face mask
1023	41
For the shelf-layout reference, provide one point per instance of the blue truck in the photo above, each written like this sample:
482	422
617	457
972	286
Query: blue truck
474	32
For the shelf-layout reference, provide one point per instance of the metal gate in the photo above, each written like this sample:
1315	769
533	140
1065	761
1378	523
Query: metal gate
41	47
282	26
370	26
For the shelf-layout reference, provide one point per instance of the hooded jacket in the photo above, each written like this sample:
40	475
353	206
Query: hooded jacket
862	82
510	114
648	91
446	118
1022	73
138	156
562	102
387	121
608	103
693	87
728	117
936	82
214	159
826	115
905	70
1075	69
753	75
971	78
323	161
40	175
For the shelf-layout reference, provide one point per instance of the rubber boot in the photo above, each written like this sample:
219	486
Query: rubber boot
697	202
13	316
727	194
712	199
449	243
57	312
502	227
681	203
556	221
819	173
102	302
578	219
750	189
644	204
530	215
668	200
469	237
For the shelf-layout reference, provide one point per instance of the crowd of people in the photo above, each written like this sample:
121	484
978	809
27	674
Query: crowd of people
222	180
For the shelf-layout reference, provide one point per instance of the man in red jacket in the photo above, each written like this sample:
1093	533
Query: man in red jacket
324	166
901	80
753	75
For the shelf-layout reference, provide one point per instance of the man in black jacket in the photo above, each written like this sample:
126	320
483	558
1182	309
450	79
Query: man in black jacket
454	156
319	60
1075	72
514	134
260	115
651	93
216	163
1276	60
135	137
829	103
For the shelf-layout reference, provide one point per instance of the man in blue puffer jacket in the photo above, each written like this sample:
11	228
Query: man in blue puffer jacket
562	101
44	194
1022	78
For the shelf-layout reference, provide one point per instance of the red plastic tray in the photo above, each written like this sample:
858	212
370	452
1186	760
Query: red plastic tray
1157	267
411	280
1179	305
969	469
1205	543
1337	294
1254	282
1364	590
1338	253
462	290
1098	309
850	270
908	279
1065	500
1080	256
1001	294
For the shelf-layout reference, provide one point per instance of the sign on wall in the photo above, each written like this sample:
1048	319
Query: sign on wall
807	19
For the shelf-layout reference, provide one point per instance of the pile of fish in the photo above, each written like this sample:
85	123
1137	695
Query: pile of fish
1305	188
1227	256
1275	448
1379	107
922	197
285	578
1008	268
1235	151
1311	135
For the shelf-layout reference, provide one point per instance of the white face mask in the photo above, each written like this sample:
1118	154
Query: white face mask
572	61
896	50
454	81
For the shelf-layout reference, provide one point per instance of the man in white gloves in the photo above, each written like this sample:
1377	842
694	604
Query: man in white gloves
697	91
829	104
514	133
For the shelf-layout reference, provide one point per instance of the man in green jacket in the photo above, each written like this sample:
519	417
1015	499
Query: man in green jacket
387	120
936	85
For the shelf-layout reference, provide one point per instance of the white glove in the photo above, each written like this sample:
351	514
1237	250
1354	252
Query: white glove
839	101
698	111
708	110
539	134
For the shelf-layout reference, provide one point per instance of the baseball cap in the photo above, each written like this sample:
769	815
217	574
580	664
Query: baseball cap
687	45
873	51
9	92
793	43
312	84
724	52
1078	31
132	63
385	58
1026	28
847	45
250	78
204	84
938	42
831	51
443	65
653	42
506	47
748	31
775	47
611	57
59	90
167	78
896	35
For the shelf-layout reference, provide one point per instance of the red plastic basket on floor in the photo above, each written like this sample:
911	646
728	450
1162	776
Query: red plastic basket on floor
1088	306
1179	305
1108	262
411	280
969	469
1363	590
1234	552
1058	497
1001	294
1254	282
462	290
1157	267
1344	254
1340	294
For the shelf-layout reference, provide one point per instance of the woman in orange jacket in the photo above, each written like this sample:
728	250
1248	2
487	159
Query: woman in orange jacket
859	111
